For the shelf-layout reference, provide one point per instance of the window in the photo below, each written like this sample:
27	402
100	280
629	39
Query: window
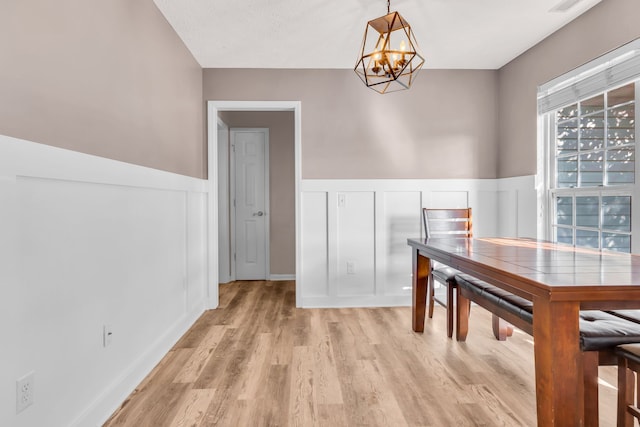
595	150
588	126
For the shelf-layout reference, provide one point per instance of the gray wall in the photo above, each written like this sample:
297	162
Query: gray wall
444	127
603	28
114	80
281	181
109	78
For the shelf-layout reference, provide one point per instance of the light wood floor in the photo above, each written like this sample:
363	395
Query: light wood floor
259	361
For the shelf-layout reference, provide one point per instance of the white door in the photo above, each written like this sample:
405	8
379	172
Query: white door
251	163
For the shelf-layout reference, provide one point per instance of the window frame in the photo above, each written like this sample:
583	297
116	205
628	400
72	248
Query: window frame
546	187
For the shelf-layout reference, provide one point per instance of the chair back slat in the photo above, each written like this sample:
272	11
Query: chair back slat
447	222
448	227
448	213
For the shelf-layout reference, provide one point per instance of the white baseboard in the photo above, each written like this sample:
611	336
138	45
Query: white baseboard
282	277
357	301
110	400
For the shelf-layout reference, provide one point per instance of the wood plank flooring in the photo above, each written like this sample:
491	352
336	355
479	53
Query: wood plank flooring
259	361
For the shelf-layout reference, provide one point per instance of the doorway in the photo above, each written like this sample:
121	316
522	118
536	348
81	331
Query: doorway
214	107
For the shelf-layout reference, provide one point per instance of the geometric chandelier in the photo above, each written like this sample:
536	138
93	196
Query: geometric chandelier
389	59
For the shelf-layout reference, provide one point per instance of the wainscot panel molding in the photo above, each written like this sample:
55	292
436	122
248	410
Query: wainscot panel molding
354	249
88	242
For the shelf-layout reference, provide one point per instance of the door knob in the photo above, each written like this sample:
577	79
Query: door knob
259	213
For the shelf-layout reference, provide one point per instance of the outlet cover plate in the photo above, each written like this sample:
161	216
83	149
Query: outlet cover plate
25	389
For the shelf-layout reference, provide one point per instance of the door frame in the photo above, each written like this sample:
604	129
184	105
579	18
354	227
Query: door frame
226	267
267	207
213	107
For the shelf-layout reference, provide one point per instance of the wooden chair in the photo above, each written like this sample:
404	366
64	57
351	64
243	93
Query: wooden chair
628	386
452	223
445	223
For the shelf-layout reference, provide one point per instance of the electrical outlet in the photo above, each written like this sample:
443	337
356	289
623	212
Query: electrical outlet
107	334
25	391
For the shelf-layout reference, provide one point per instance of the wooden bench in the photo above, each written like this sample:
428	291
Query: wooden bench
600	331
512	308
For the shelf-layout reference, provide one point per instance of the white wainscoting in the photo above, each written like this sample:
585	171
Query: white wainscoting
88	241
354	232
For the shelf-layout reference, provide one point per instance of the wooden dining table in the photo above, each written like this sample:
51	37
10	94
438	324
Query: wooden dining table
560	280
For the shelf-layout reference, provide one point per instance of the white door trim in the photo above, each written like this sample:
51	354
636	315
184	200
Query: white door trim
225	267
267	205
213	107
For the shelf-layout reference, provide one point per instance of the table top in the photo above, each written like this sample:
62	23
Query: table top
531	267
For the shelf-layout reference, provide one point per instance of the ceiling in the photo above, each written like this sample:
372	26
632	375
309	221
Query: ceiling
466	34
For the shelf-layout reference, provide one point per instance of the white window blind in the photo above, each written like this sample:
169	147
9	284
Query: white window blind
613	69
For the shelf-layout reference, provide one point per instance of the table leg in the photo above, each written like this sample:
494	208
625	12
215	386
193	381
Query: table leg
558	360
463	308
421	271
